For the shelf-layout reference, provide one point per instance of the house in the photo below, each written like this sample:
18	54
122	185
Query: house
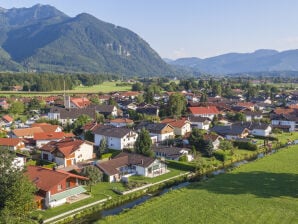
231	131
127	164
47	127
148	110
19	161
161	130
209	111
260	129
121	122
7	119
46	137
284	118
117	138
181	126
12	143
82	102
251	115
172	153
68	116
107	110
54	187
214	138
67	152
90	126
247	105
200	122
25	132
3	104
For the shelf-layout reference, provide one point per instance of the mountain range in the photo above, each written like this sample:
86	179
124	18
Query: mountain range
258	61
44	39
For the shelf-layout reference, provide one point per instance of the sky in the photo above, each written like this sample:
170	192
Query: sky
193	28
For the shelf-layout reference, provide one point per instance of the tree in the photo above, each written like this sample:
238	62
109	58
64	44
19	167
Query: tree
177	104
17	107
17	191
103	146
143	143
81	121
93	173
137	86
208	147
34	104
204	98
225	145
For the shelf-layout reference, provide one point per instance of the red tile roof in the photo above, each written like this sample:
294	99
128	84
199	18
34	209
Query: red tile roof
49	135
175	123
80	102
10	141
122	120
46	127
204	110
66	146
7	118
45	179
27	131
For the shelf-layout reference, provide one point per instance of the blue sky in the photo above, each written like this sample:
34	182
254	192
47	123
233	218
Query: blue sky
193	28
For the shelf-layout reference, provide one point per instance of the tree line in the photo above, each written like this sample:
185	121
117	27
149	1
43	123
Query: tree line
51	82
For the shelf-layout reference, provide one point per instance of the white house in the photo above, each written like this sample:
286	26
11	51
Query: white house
261	129
121	122
67	152
209	111
181	126
163	131
127	164
116	138
44	138
200	122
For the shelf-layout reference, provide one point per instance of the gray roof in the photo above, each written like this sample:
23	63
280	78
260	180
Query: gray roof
73	113
112	131
104	108
198	119
169	152
156	127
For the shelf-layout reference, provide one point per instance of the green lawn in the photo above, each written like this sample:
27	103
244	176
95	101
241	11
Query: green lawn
286	136
173	172
264	191
105	87
99	191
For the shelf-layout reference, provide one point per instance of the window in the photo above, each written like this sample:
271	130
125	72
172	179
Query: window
67	184
59	187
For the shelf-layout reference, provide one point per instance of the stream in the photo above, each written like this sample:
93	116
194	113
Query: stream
131	204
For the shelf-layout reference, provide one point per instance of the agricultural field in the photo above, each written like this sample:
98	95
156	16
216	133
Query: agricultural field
105	87
264	191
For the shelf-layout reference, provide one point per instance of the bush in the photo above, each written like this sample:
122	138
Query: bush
183	158
245	145
220	155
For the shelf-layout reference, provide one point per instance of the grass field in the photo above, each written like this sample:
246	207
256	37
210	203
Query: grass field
265	191
105	87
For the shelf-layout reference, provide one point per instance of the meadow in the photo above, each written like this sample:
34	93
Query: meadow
105	87
264	191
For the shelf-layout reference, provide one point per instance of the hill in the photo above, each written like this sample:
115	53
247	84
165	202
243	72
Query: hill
258	61
43	39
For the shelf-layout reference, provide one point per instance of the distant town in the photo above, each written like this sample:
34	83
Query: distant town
73	151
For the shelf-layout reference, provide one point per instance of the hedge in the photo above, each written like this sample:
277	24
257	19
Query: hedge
181	165
245	145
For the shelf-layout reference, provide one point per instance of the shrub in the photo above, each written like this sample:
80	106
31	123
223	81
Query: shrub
245	145
220	155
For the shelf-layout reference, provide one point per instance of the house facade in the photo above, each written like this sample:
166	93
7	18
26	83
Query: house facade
67	152
12	143
200	122
181	126
54	187
208	112
161	130
128	164
117	138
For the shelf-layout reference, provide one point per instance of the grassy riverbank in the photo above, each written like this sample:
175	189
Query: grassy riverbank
264	191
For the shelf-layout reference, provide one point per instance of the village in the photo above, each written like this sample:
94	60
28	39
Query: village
88	147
